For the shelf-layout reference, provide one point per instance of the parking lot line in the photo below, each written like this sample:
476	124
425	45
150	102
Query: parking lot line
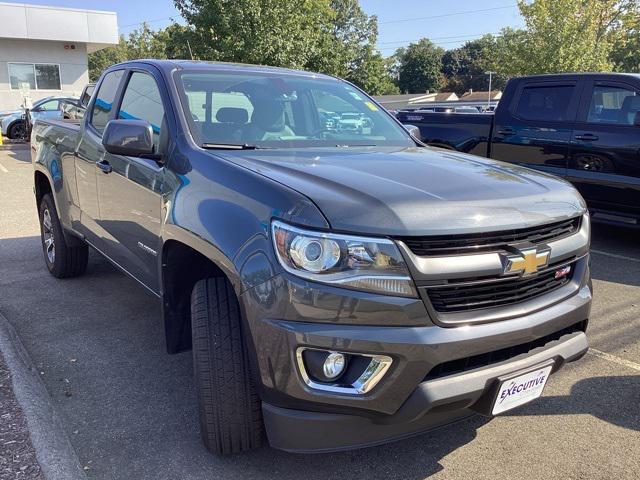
3	169
615	255
614	359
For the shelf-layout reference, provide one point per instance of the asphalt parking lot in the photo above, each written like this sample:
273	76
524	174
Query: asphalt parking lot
129	409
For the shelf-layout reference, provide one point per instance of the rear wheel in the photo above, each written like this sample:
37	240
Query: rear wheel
18	131
230	409
62	260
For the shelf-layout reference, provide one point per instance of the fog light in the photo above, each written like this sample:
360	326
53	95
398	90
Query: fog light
333	365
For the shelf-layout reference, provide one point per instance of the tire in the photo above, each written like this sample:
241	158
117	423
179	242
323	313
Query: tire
230	408
17	131
62	260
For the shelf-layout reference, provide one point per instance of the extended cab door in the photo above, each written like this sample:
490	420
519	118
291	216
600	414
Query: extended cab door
535	127
605	152
130	189
90	151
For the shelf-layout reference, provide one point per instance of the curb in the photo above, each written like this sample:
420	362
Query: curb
54	452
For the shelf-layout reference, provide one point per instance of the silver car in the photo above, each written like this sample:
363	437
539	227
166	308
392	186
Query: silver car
13	122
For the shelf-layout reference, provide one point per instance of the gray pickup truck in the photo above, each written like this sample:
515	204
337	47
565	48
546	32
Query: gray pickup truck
338	287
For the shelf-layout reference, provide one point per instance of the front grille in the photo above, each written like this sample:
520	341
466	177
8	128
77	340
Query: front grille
495	292
490	241
486	359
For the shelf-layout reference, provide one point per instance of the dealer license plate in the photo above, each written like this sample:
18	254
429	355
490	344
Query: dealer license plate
521	389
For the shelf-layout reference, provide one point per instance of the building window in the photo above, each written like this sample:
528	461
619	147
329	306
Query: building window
39	76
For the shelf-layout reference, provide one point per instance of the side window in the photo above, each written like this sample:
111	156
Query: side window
104	101
142	101
611	104
546	103
49	106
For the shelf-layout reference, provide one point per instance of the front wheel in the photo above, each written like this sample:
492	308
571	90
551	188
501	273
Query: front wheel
62	260
230	409
18	131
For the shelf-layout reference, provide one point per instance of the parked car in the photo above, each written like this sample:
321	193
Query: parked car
14	123
582	127
354	122
339	289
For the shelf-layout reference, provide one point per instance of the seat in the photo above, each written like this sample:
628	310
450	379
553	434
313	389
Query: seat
267	122
228	128
630	106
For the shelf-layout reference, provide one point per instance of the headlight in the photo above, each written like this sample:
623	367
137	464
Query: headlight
370	264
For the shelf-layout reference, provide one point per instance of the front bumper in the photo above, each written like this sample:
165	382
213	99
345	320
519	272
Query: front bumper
287	313
432	404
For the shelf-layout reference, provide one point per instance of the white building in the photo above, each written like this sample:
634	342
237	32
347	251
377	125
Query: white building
43	50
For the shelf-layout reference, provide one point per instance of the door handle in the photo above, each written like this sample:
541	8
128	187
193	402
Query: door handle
587	137
104	166
506	131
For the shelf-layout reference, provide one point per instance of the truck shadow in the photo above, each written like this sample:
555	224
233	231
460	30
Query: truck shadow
414	458
611	399
615	254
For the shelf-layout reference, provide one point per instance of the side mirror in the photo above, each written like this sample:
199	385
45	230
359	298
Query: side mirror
413	131
132	138
636	119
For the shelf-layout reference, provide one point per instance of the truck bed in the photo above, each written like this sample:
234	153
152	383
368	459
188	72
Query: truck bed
466	132
61	134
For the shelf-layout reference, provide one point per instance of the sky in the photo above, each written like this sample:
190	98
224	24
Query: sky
448	23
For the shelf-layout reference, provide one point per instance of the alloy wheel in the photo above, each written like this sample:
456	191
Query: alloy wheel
47	236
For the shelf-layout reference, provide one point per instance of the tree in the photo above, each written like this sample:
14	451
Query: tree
626	45
371	74
102	59
329	36
465	67
141	43
562	36
283	33
419	67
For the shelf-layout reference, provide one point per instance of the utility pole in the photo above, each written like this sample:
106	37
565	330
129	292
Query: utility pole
191	53
490	73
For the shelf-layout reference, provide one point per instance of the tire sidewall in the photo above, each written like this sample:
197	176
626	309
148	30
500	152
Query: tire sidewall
47	204
12	129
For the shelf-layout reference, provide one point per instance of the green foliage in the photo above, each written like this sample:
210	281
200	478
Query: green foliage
141	43
102	59
563	36
338	38
329	36
270	32
348	51
464	68
626	39
419	67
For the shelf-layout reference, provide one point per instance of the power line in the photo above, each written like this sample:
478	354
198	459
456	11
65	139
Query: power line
435	43
146	21
440	38
465	12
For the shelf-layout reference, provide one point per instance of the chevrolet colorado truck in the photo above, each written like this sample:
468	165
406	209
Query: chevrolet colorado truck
583	127
338	289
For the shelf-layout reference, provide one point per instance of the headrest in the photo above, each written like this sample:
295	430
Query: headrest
232	115
268	115
632	102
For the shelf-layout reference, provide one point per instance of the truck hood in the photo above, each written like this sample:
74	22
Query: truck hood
415	191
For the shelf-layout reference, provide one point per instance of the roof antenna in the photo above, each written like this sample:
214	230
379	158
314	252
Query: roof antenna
190	52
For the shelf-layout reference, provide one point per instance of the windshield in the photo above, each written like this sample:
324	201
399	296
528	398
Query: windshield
271	110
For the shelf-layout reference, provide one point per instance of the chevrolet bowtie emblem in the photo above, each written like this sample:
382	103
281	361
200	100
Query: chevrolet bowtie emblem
528	261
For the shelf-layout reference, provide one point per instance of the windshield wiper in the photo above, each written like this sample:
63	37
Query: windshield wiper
348	145
229	146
